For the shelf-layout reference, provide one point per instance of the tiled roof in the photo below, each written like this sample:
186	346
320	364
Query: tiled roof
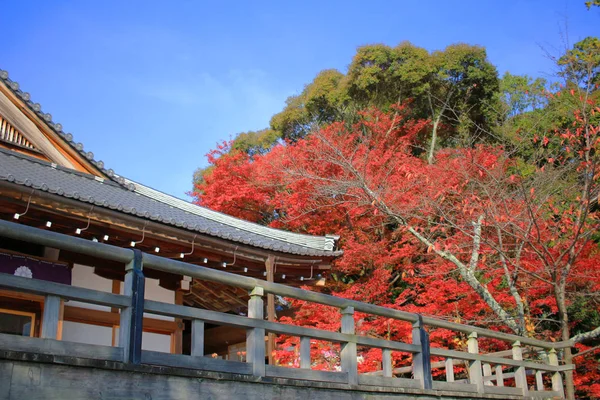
144	202
133	198
56	127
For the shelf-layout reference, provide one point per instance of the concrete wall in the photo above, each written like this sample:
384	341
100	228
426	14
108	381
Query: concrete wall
37	380
85	277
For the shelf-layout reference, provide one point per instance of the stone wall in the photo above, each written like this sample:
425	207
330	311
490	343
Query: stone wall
36	376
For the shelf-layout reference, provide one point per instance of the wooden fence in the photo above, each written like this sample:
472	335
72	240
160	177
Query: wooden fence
487	373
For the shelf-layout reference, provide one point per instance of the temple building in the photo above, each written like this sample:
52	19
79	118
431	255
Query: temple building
49	181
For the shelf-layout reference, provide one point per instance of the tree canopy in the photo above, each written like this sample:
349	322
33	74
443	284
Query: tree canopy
456	194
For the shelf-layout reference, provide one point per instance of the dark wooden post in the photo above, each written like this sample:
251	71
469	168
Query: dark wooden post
197	349
304	352
255	337
132	317
422	360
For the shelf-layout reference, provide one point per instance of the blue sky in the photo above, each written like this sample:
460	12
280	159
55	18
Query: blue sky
150	87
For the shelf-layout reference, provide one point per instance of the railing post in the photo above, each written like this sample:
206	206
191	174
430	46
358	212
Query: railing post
499	376
132	317
539	380
51	317
475	376
449	369
422	360
386	361
348	354
304	352
197	338
255	337
487	371
520	373
557	383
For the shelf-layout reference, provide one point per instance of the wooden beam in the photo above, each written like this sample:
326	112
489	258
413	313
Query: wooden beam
178	334
116	289
61	318
106	318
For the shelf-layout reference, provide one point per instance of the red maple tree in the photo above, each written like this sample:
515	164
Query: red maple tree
468	238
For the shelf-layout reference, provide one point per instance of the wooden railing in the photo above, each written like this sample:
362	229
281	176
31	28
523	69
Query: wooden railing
487	373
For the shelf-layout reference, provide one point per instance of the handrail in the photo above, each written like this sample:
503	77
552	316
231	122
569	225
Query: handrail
66	292
132	305
114	253
64	242
196	271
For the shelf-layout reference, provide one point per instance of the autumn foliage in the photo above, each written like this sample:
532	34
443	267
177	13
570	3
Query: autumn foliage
402	220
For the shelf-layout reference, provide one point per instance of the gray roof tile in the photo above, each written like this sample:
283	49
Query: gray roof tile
136	199
56	127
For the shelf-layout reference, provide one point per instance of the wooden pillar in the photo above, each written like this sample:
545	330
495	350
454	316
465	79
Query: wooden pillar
348	354
255	337
475	376
422	360
132	317
197	338
61	318
386	361
304	352
269	264
557	383
50	317
116	289
449	369
520	373
52	253
178	334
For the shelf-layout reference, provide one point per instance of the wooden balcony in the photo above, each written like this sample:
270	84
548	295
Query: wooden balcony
500	375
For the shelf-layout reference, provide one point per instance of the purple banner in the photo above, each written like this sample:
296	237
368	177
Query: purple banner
31	267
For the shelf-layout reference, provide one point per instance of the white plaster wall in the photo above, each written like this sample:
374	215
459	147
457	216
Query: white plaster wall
85	277
153	341
84	333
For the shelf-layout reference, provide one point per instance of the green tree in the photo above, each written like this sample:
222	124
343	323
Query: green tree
592	3
259	142
581	64
461	94
380	75
521	94
317	104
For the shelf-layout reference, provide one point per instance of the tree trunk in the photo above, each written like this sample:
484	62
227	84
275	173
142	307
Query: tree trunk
565	335
433	140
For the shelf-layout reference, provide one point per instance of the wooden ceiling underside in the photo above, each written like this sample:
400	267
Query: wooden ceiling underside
217	297
202	294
